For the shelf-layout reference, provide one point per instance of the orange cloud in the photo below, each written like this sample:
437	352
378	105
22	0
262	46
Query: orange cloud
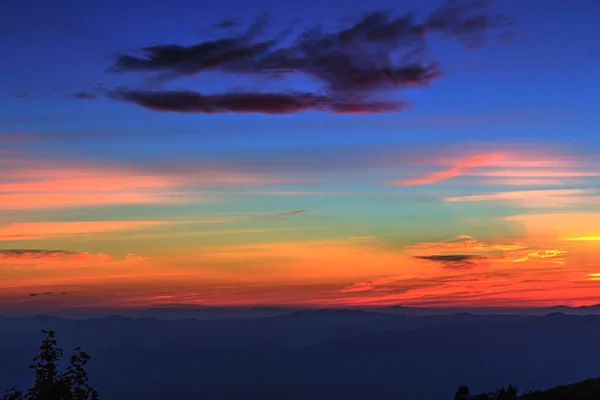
467	251
461	244
36	230
47	269
78	199
555	255
29	184
41	186
47	258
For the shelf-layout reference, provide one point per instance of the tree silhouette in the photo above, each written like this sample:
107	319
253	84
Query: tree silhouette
462	393
510	393
52	384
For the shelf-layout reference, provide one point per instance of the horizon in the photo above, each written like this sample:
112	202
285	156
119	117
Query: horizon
172	312
262	155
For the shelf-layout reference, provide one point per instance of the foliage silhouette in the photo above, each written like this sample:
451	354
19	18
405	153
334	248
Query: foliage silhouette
584	390
510	393
51	383
462	393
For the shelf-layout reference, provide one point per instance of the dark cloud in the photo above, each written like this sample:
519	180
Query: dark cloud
278	216
268	103
176	60
228	23
47	294
467	21
377	54
22	95
292	212
26	253
85	96
455	261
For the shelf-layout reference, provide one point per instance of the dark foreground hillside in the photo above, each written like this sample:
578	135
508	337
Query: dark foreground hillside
585	390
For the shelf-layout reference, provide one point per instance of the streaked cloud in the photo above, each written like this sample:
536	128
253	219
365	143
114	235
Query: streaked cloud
38	186
40	230
42	258
278	216
584	239
242	231
552	255
31	184
461	244
461	168
531	182
510	168
37	254
533	198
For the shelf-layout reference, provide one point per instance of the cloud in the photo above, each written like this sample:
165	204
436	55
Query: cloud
454	261
267	103
537	172
533	198
453	252
228	23
393	284
36	184
85	96
551	255
213	233
35	254
463	243
47	294
531	182
292	212
40	230
178	60
278	216
510	167
584	239
302	193
48	258
457	170
28	184
354	65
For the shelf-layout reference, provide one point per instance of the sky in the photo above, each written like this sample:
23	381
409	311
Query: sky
337	153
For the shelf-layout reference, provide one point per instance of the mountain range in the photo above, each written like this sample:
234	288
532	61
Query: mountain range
317	354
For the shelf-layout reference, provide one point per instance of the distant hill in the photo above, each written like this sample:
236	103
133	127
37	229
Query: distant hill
538	311
179	311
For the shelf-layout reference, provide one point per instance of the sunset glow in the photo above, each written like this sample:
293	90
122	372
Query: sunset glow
483	192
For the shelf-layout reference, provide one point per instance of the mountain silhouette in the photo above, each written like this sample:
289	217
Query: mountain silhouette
320	354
